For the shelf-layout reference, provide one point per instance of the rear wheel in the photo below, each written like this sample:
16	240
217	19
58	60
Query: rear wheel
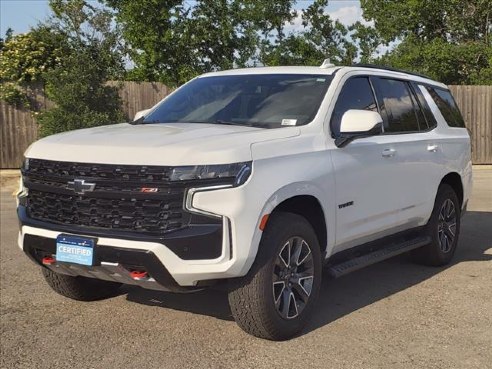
80	288
443	228
276	299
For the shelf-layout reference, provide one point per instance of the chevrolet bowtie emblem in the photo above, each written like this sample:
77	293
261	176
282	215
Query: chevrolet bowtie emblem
80	186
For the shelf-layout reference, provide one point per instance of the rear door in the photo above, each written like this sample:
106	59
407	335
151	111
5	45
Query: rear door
408	120
451	137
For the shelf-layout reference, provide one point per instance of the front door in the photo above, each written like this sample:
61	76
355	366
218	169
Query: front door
367	189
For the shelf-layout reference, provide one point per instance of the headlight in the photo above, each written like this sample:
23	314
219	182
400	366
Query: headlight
22	192
237	172
25	164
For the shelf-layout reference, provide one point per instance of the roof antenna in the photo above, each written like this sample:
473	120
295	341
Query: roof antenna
327	64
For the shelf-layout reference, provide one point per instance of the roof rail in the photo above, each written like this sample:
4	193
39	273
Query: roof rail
375	66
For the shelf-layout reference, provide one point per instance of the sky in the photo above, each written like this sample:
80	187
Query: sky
20	15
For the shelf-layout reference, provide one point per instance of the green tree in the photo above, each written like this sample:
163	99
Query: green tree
8	36
174	40
321	38
449	20
24	59
367	40
466	63
151	30
450	40
78	85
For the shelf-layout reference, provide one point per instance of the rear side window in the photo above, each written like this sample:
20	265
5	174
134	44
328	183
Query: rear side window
447	106
397	107
429	116
422	122
356	94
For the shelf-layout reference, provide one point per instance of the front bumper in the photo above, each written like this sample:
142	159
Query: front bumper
111	263
195	242
179	252
185	258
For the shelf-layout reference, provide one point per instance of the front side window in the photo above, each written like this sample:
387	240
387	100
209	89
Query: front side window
397	106
447	106
356	94
260	100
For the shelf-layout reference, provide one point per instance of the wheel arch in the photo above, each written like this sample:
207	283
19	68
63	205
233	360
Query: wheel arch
309	207
453	179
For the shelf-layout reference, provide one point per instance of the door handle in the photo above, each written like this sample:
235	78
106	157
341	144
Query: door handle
388	153
432	148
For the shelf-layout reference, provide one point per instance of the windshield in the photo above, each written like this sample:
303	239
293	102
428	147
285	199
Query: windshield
263	100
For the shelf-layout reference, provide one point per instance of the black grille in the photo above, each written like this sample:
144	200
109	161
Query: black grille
48	168
117	201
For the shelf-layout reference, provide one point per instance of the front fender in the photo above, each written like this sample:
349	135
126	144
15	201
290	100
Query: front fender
244	206
301	189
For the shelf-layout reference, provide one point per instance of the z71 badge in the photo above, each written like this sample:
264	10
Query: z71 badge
346	204
149	189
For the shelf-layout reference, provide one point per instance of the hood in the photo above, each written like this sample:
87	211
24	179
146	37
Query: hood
157	144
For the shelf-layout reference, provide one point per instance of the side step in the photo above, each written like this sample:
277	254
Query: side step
359	262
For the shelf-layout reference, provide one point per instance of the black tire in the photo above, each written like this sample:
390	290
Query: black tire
441	249
80	288
253	304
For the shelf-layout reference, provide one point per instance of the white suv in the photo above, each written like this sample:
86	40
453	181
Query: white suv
253	180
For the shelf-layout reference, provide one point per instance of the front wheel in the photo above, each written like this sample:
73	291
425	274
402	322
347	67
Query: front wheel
443	228
277	297
80	288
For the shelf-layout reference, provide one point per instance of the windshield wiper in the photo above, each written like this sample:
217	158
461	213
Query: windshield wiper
224	122
137	121
245	124
218	121
228	123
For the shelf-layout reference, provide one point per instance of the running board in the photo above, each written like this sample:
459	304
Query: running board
362	261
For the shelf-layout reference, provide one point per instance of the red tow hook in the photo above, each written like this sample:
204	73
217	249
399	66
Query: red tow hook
139	275
48	260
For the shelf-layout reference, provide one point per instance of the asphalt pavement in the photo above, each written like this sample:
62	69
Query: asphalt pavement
394	314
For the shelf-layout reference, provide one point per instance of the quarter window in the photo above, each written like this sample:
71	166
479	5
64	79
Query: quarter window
397	106
356	94
447	106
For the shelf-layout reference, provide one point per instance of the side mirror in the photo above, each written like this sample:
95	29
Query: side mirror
357	124
141	114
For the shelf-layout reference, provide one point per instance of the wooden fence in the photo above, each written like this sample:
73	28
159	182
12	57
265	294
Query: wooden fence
138	96
475	103
19	129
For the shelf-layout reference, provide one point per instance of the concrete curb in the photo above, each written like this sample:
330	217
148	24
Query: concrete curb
9	172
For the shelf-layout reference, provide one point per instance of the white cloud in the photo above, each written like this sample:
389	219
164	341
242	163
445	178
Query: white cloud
295	25
346	15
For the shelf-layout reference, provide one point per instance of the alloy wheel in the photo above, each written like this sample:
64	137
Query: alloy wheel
293	278
446	228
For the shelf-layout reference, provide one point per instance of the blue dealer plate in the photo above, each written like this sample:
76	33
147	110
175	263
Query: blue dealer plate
74	249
